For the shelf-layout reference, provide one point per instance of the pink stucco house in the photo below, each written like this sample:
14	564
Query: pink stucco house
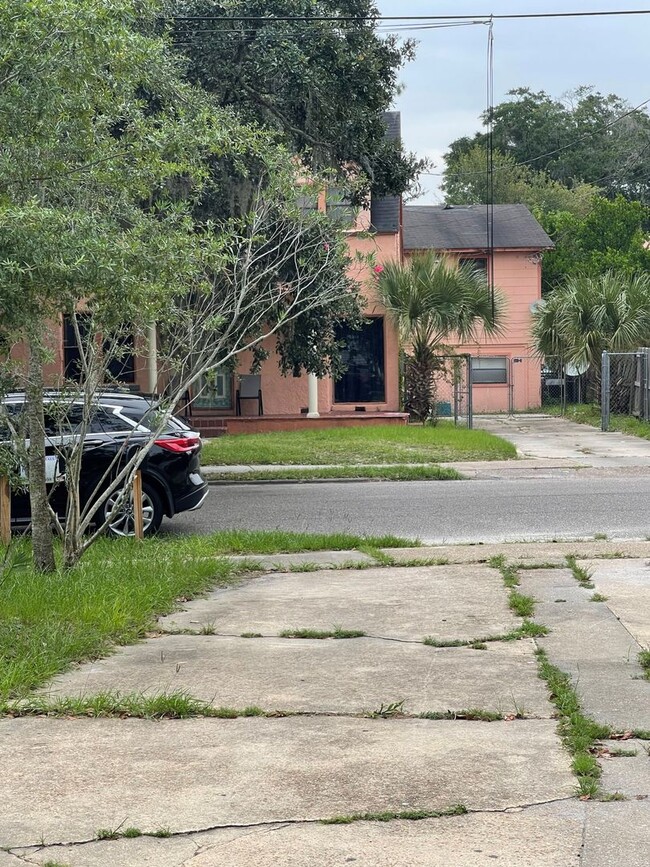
504	373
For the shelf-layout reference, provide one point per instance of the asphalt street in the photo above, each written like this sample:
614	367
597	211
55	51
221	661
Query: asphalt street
435	512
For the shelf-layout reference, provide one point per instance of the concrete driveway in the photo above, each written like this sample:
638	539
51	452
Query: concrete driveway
565	443
334	748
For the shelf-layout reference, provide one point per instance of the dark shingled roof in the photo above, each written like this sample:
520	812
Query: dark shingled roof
384	213
464	227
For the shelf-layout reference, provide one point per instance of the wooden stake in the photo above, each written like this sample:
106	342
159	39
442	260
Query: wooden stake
5	511
138	518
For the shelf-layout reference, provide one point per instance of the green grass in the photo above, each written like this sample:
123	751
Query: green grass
582	575
113	596
590	414
404	473
242	542
336	633
164	705
644	662
384	444
528	629
395	815
578	732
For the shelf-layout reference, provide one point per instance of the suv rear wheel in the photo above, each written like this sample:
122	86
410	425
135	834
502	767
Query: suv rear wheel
120	515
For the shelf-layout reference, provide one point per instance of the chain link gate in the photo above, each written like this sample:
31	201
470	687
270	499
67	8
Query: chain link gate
625	385
525	383
453	389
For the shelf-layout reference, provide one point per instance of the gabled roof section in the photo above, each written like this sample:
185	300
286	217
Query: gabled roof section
385	212
464	227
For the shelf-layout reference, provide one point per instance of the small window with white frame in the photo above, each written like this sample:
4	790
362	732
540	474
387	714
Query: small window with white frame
490	370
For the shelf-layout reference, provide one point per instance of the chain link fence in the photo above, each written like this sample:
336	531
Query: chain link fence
625	385
453	389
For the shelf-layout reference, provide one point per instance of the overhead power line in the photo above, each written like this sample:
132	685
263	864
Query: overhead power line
422	18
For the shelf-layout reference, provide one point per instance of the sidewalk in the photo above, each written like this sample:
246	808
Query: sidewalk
338	746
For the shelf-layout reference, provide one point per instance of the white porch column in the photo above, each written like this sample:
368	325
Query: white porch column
152	351
312	381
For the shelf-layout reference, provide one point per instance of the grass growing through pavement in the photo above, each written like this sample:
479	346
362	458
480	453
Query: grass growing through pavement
389	816
528	629
644	662
384	444
172	705
578	732
582	575
112	597
523	606
336	633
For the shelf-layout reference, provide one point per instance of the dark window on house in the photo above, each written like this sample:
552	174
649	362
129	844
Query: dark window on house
339	209
121	367
490	370
363	356
477	263
308	204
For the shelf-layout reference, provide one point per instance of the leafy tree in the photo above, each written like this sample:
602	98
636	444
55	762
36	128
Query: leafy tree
106	152
590	314
609	238
582	138
429	300
322	86
466	183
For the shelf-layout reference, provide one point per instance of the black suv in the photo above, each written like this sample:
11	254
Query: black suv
120	425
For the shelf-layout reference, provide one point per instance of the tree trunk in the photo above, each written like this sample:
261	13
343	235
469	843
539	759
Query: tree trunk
42	538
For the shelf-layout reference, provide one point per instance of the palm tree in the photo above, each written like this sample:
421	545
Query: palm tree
588	315
431	301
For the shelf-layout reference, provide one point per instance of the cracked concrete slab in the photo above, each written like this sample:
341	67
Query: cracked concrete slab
464	601
617	834
138	852
588	642
626	583
629	775
531	552
537	838
319	676
64	779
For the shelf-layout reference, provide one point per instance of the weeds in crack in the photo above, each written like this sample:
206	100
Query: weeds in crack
578	732
523	606
582	575
597	597
474	714
175	705
386	711
644	662
528	629
391	816
336	633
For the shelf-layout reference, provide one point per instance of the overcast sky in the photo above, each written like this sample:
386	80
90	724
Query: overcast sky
445	86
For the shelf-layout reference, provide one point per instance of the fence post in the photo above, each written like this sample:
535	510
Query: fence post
645	395
5	511
138	521
604	392
470	406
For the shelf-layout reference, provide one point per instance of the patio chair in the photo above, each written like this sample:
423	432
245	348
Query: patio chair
249	389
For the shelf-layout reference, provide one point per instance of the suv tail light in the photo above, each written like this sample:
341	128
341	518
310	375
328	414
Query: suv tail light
179	444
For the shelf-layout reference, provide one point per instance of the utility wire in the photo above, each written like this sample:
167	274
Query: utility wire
485	18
